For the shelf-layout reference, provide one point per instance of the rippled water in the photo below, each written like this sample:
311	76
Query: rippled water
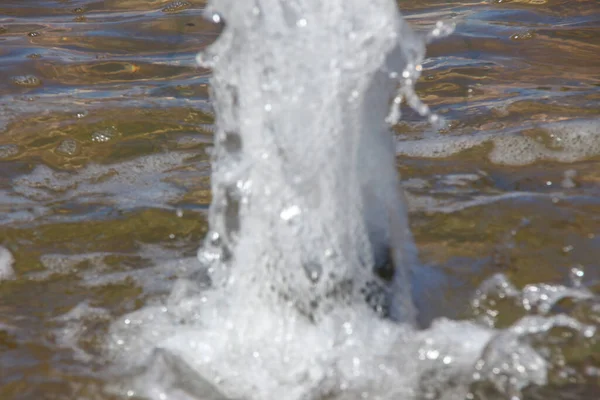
104	122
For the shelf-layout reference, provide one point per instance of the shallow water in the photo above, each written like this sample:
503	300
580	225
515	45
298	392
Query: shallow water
105	119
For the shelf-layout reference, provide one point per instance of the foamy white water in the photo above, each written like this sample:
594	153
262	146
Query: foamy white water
6	264
306	222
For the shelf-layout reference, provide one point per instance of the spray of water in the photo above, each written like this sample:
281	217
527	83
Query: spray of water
302	289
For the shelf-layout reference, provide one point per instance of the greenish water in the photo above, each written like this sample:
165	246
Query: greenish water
104	178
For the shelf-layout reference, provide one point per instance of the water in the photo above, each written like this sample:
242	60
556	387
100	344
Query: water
306	208
101	214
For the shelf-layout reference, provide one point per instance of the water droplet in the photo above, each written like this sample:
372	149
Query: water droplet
216	18
289	213
589	332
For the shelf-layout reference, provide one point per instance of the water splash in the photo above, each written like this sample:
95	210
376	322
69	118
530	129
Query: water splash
302	290
303	154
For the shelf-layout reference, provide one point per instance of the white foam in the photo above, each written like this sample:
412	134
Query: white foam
6	264
566	141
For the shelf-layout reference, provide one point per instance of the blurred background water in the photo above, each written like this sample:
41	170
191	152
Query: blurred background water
104	177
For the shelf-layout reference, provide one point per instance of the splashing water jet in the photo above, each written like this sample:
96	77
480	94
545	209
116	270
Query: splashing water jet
309	250
306	197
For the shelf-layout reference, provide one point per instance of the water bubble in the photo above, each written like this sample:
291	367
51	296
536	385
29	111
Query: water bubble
104	135
433	354
176	6
568	181
442	29
576	275
26	81
214	238
68	147
313	271
209	256
206	59
8	150
523	36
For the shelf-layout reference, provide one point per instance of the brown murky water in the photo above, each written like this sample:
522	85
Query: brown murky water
104	119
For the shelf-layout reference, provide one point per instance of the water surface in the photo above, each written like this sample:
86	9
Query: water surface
104	178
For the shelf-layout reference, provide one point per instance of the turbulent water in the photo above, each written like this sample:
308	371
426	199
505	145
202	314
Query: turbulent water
309	284
306	210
